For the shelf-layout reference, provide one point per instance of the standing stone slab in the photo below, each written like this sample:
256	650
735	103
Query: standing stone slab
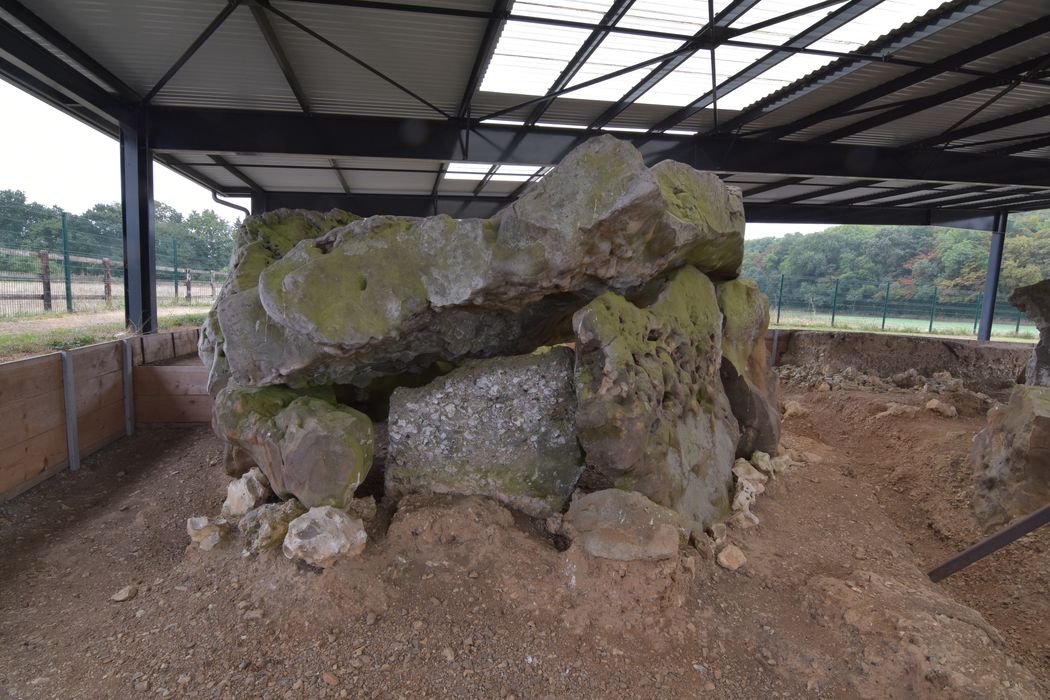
653	416
501	428
308	447
1034	301
749	380
1011	458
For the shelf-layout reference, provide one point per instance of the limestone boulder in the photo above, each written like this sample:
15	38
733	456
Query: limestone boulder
244	493
747	375
388	294
623	525
1011	458
1034	301
323	536
266	526
501	428
652	414
308	446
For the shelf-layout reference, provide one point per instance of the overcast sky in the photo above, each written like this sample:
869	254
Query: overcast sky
56	160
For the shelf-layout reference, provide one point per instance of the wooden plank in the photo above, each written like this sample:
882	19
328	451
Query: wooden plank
157	348
26	462
173	409
93	360
101	426
30	417
185	342
171	380
24	379
95	392
136	350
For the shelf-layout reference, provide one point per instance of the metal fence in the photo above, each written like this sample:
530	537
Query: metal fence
862	304
74	264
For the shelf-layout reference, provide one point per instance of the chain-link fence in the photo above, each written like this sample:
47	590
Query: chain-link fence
52	261
854	303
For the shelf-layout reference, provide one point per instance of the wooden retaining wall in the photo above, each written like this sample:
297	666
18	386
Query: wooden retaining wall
33	400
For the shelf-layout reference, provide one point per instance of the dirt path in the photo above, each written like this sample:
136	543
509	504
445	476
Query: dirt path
459	598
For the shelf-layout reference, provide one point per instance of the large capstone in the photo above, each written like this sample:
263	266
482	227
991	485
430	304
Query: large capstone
308	446
1034	301
747	376
501	428
388	294
1011	458
653	416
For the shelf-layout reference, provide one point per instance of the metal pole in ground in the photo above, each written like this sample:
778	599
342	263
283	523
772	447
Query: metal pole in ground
991	282
189	286
885	304
780	297
213	284
1017	328
977	313
45	279
933	309
69	396
834	302
129	389
65	264
107	282
175	267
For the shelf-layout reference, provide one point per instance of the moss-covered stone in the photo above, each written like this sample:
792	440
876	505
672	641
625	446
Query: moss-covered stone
501	428
652	414
387	294
749	380
306	444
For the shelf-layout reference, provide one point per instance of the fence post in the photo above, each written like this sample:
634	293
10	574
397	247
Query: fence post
213	289
780	296
834	302
175	267
107	281
885	304
1017	328
45	278
933	310
189	285
977	313
65	264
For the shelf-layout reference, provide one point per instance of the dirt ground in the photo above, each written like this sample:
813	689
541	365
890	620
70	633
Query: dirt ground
461	598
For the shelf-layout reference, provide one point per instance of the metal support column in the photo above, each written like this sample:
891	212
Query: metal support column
136	190
991	282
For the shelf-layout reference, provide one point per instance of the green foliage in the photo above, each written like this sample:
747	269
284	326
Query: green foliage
204	241
916	261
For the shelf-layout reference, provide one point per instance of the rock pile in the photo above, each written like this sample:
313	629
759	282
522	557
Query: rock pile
594	335
1011	456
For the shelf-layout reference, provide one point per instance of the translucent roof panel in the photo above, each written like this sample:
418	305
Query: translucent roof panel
672	16
781	75
619	51
530	57
781	32
503	173
881	19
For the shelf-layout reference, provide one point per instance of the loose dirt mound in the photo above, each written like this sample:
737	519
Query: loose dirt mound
463	598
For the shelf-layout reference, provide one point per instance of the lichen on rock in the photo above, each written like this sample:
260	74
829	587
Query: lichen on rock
653	416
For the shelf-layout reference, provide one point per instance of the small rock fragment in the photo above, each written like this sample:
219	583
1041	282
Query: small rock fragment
324	535
793	409
731	558
762	462
361	508
623	525
330	678
125	594
744	471
897	409
205	532
250	490
942	408
267	525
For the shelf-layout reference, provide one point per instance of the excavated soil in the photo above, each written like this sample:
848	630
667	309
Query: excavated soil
462	598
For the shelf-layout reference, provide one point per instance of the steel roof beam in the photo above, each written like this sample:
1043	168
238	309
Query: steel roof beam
205	34
960	58
219	131
798	43
614	14
985	127
1040	142
702	38
828	191
236	172
917	30
60	42
481	59
263	22
47	68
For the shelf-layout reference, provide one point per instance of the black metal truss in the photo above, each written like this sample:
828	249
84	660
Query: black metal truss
484	53
212	131
818	30
916	30
279	55
985	127
339	176
1040	142
960	58
198	42
236	172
